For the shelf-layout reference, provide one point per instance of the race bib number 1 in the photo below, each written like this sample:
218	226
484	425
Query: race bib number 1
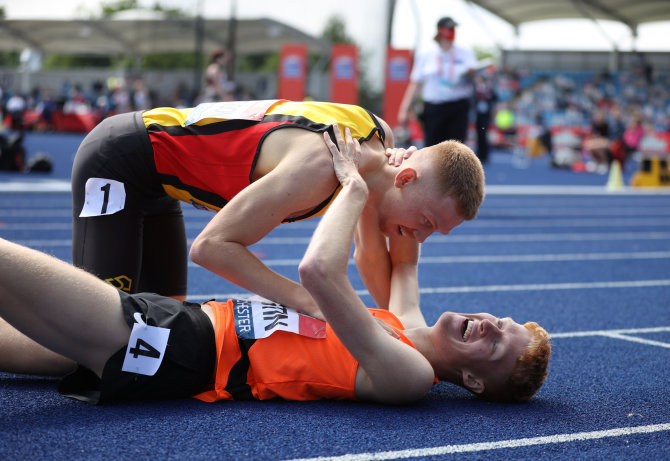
146	348
256	319
103	197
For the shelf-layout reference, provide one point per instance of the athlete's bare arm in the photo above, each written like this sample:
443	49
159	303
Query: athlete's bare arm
389	371
389	269
372	257
379	259
300	179
404	289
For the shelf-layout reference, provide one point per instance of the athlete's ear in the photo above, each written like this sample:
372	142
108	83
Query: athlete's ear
404	177
472	382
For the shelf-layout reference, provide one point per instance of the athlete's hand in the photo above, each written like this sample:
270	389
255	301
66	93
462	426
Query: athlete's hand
397	155
346	155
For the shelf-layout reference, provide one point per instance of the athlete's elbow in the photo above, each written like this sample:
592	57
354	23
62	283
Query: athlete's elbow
197	251
205	251
313	272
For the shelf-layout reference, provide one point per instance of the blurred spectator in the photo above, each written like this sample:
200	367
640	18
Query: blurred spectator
100	101
16	106
485	100
597	143
46	108
540	138
180	98
633	134
617	126
616	132
140	96
76	101
217	85
120	98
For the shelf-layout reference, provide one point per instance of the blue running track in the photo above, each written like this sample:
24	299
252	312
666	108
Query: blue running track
590	265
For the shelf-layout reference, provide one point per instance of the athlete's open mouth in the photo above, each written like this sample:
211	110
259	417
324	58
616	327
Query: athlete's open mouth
466	329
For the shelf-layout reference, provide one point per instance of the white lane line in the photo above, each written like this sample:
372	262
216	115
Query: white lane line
545	257
547	286
39	226
503	258
547	237
44	185
495	238
562	222
633	339
532	211
627	331
502	444
489	288
479	225
620	334
573	190
36	213
45	243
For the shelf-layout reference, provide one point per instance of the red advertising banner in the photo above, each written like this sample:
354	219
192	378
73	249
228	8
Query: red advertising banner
292	79
344	74
398	68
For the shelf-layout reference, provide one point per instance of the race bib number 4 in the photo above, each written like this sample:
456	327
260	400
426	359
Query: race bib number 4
146	348
103	197
256	319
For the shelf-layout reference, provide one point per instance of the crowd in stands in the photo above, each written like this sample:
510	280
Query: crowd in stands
604	116
600	116
45	108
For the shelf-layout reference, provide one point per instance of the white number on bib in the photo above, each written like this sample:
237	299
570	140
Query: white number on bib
103	197
146	348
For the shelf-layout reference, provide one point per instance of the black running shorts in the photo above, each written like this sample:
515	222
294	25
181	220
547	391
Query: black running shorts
188	363
141	248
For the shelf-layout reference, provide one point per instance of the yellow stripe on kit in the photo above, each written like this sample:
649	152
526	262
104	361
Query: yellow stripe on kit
184	196
166	116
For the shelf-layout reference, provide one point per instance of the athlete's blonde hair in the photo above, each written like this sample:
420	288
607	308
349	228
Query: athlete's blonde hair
461	176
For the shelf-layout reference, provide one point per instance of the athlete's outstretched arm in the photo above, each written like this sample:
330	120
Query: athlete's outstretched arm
389	266
394	372
65	309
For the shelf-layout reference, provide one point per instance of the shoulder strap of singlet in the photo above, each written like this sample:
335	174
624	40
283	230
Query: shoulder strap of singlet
382	133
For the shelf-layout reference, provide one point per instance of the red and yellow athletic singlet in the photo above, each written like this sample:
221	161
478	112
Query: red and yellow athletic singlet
207	154
285	364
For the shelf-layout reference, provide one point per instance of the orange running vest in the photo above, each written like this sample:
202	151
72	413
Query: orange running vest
285	365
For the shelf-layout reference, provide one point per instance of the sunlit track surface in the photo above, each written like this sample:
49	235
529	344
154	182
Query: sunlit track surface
592	267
